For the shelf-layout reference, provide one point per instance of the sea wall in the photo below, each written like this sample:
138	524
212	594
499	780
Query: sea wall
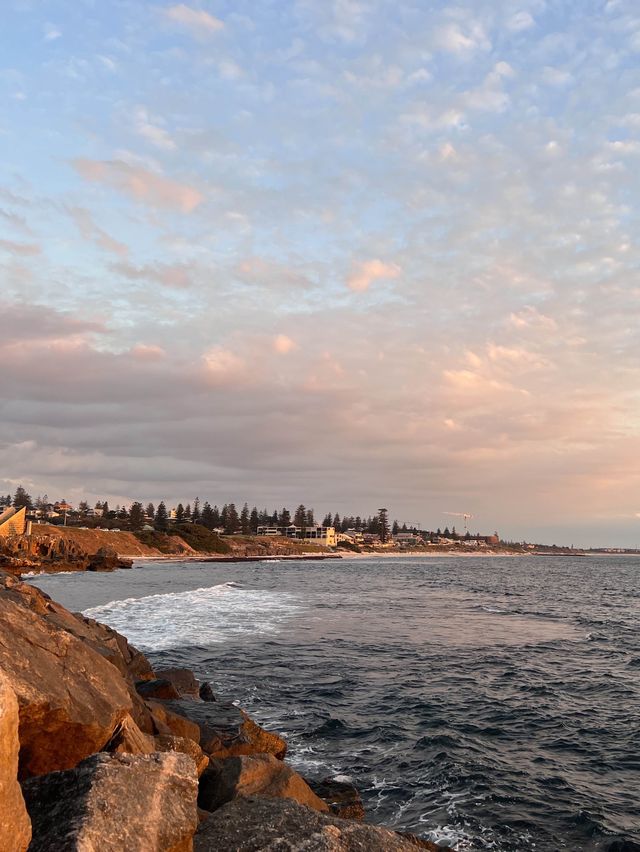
98	750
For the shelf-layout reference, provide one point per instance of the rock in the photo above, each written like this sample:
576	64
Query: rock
206	692
15	825
129	739
159	688
168	722
342	797
227	731
70	698
254	824
254	775
183	680
113	803
107	559
167	742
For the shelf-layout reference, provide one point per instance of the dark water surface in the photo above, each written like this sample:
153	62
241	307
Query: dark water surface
493	703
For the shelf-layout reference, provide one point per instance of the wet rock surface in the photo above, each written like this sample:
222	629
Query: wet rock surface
342	797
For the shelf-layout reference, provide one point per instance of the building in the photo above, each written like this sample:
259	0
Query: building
13	522
321	535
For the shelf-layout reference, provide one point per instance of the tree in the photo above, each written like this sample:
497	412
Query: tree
300	518
232	521
179	513
395	529
83	507
161	517
136	516
336	521
285	518
215	518
383	525
446	533
254	521
310	519
123	515
150	511
244	520
187	512
326	521
207	516
22	499
195	514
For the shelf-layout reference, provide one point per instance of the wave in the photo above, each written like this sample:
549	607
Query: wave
199	617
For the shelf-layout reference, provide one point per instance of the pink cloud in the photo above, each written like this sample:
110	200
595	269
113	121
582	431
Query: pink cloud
283	344
368	271
141	184
197	21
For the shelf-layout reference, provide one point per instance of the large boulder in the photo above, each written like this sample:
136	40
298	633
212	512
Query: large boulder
167	742
70	698
165	721
129	739
226	730
15	825
183	680
254	775
113	803
343	798
255	824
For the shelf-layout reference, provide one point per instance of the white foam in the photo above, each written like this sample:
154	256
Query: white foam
199	617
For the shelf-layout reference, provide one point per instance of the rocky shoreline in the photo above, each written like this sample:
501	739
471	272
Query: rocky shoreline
99	751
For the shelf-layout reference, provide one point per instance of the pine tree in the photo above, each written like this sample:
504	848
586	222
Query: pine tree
300	517
254	520
223	516
326	521
179	513
358	523
195	514
395	529
161	517
232	521
207	516
136	516
383	525
187	513
284	519
215	518
244	520
150	511
310	518
337	523
22	499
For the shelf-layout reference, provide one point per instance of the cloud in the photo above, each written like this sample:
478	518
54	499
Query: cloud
90	231
51	33
452	38
368	271
283	344
22	249
151	131
197	21
170	275
520	21
222	365
140	184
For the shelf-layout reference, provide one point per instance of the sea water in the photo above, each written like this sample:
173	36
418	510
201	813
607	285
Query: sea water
487	703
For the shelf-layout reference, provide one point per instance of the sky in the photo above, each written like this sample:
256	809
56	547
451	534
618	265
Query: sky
345	253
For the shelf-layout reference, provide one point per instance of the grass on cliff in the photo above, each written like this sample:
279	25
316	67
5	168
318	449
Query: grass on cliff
199	538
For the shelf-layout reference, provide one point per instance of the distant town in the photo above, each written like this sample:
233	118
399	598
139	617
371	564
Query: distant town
20	511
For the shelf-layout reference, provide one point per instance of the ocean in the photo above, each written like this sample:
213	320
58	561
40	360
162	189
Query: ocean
487	703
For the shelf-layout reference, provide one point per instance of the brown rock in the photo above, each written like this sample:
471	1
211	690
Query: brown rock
167	742
254	775
183	680
129	739
70	698
227	731
15	825
159	688
168	722
343	798
113	803
206	692
107	559
259	823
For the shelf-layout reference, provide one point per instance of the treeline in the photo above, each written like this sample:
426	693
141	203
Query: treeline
227	518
